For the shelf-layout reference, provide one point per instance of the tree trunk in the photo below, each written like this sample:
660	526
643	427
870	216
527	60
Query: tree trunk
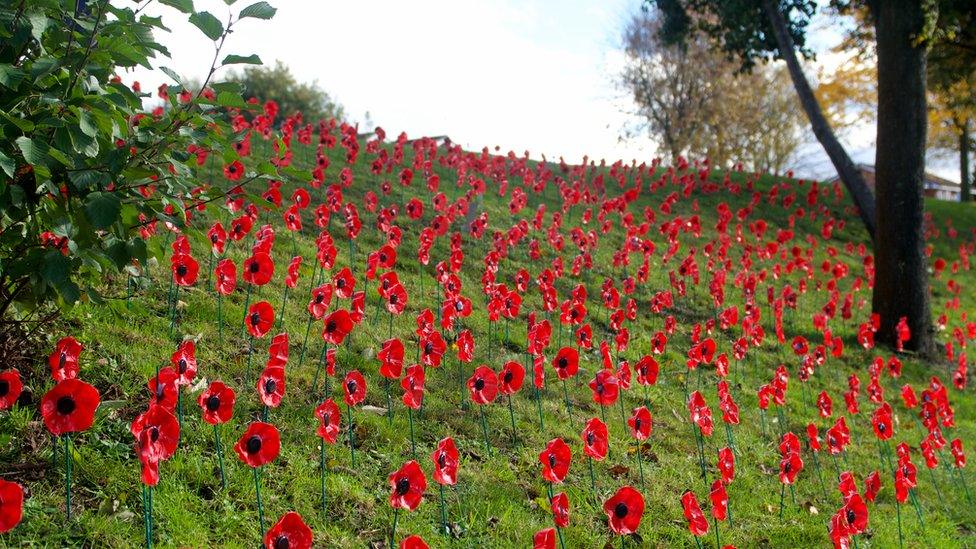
860	193
901	279
964	162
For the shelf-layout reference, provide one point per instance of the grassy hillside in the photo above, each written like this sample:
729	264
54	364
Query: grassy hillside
500	500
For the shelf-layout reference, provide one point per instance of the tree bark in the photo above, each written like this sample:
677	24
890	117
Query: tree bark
848	172
964	162
901	279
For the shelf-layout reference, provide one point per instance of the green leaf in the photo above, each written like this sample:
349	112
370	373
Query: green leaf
102	209
34	153
172	74
241	60
55	268
186	6
206	22
11	76
86	123
259	10
228	99
7	164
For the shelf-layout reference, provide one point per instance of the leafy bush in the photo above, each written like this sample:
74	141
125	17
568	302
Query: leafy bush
85	172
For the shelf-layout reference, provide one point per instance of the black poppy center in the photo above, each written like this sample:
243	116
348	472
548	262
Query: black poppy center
637	424
508	376
270	386
851	516
351	387
254	267
590	439
479	384
428	348
154	433
66	405
330	326
620	510
182	365
552	460
281	542
181	270
213	403
403	486
4	387
393	299
255	319
441	459
254	444
562	363
319	298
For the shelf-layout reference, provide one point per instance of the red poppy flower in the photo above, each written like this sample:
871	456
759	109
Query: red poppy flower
157	432
278	351
855	513
413	386
720	500
445	459
217	403
10	388
958	455
700	413
290	532
560	509
260	318
697	523
413	542
184	362
69	407
357	307
511	377
566	362
465	346
234	170
432	348
396	299
218	238
605	388
291	278
336	327
624	510
259	445
882	423
647	370
64	360
544	539
726	464
789	466
225	276
407	486
555	460
354	386
258	269
483	385
872	485
185	269
595	439
11	505
344	283
271	386
321	298
330	419
640	423
391	358
163	389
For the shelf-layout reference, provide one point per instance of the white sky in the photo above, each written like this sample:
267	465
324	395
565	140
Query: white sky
532	75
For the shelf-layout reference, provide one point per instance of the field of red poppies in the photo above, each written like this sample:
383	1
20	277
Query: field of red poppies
417	345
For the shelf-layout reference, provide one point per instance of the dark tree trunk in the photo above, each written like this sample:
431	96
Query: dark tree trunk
860	193
964	162
901	286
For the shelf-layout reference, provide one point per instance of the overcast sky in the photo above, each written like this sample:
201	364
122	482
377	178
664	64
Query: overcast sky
534	75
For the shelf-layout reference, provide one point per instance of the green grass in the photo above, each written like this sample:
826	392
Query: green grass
500	499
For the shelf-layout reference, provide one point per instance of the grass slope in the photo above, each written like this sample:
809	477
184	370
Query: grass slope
500	499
